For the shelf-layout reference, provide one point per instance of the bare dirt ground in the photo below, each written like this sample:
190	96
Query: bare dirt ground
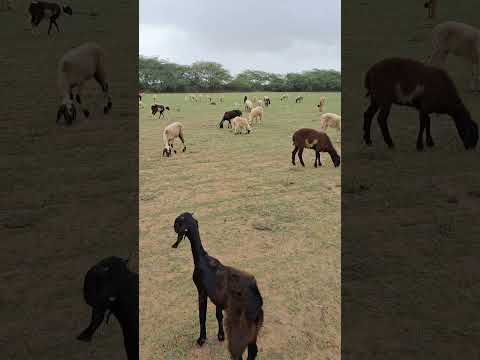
68	194
233	184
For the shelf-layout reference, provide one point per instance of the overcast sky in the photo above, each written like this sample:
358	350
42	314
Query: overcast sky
277	36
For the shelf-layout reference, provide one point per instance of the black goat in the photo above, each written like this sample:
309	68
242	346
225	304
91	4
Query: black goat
40	10
111	287
228	116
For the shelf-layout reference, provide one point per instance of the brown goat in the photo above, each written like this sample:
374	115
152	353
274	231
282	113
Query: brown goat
315	140
229	289
428	89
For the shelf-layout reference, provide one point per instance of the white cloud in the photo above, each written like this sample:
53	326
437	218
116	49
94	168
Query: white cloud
275	36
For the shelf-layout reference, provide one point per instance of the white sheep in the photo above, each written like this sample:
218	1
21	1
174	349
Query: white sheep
284	97
77	66
267	101
321	104
458	39
170	133
248	105
256	113
239	123
260	103
331	120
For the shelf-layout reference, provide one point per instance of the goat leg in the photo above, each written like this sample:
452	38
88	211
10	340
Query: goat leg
202	312
252	351
221	333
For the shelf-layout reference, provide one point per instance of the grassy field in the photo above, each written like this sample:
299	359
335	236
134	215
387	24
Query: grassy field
68	194
409	219
233	184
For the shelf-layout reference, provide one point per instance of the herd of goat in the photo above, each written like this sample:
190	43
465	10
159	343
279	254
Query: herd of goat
110	287
316	140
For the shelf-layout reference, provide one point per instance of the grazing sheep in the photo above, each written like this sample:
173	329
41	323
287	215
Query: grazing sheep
431	5
321	104
248	106
256	113
240	123
228	116
39	10
299	99
267	101
458	39
331	120
77	66
170	133
111	288
229	289
260	103
160	109
284	97
426	88
315	140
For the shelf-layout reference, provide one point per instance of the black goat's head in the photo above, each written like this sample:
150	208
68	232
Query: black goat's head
102	286
68	112
183	223
167	151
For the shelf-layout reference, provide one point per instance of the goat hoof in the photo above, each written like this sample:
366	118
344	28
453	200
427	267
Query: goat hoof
201	341
221	336
86	113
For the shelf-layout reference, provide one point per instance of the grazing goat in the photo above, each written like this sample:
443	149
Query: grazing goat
257	114
228	116
431	5
77	66
160	109
229	289
170	133
321	104
299	99
240	123
315	140
458	39
40	9
331	120
426	88
110	287
284	97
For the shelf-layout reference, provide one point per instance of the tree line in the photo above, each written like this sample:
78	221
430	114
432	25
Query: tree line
158	75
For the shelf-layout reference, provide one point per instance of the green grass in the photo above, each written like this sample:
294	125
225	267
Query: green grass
231	183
